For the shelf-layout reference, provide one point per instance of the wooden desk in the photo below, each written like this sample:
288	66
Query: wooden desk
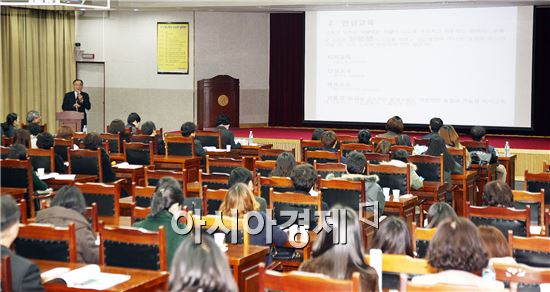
248	152
244	262
173	162
403	208
140	280
465	191
485	174
125	206
510	163
16	193
130	175
118	157
56	184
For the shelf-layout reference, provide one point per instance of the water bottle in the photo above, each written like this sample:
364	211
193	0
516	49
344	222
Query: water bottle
489	274
250	138
85	129
507	149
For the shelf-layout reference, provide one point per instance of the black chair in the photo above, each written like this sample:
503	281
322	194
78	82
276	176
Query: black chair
343	192
324	169
42	158
428	167
534	182
212	200
263	167
142	196
279	184
393	177
16	173
62	146
359	147
322	156
214	181
272	154
223	165
139	153
86	162
114	141
309	145
294	202
210	139
503	219
106	197
47	242
180	146
421	238
532	251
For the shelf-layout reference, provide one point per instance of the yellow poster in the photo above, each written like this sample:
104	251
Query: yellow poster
173	47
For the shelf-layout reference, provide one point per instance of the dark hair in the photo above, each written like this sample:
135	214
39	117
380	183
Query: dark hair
133	117
222	120
81	82
117	127
34	129
22	137
303	177
363	136
328	138
65	132
284	165
494	241
340	260
477	133
44	140
435	124
70	197
148	128
240	175
11	118
383	147
457	245
18	151
393	237
187	129
437	147
498	194
167	193
439	212
10	212
356	162
400	154
32	115
316	135
395	124
92	141
200	267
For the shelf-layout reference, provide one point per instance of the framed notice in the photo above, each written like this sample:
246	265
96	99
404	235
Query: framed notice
173	47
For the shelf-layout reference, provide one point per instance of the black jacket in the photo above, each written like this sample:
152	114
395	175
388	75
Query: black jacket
25	276
228	138
69	100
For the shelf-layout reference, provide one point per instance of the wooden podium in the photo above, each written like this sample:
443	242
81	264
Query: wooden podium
217	95
70	118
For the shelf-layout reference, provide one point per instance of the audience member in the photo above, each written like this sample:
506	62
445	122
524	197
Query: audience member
45	141
34	130
92	141
496	245
457	250
165	204
478	134
439	212
304	177
452	140
435	124
188	130
22	137
133	122
25	275
11	124
222	123
436	148
498	194
383	147
394	128
399	158
363	136
34	117
328	139
148	128
18	151
117	127
243	175
284	165
316	135
200	267
339	260
69	206
64	132
393	237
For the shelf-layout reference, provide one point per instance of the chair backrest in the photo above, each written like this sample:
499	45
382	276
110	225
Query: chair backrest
521	275
213	220
297	282
344	139
210	138
62	146
322	156
142	196
459	156
343	192
476	145
146	139
535	182
139	153
264	167
421	238
272	154
310	145
278	183
214	181
22	204
179	145
42	158
139	213
152	176
533	251
47	242
323	169
43	128
7	286
420	141
393	177
409	149
223	165
91	214
212	200
106	196
535	200
84	161
376	158
429	167
392	140
400	263
502	218
113	140
360	147
16	173
132	248
296	202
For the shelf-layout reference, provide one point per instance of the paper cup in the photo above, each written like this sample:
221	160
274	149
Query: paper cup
40	171
219	238
395	195
386	191
228	147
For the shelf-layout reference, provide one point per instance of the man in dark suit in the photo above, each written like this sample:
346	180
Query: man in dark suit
435	125
77	100
25	276
222	123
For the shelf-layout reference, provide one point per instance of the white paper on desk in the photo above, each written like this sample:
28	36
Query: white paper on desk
48	175
535	230
89	277
213	149
66	163
126	165
65	176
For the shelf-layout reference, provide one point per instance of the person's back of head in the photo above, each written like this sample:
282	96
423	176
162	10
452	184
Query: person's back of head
168	192
34	129
356	162
316	134
304	177
187	129
284	165
22	137
223	120
457	245
328	138
239	197
393	237
70	197
497	193
477	133
148	128
435	124
436	147
9	216
363	136
440	212
133	119
200	267
240	175
64	132
33	117
395	124
92	141
44	140
11	118
401	155
17	151
383	147
117	127
494	242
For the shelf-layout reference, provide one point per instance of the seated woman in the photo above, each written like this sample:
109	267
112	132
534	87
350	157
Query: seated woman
200	267
45	141
243	175
393	237
166	203
66	133
452	140
496	245
437	147
394	128
11	124
363	136
22	137
92	141
341	260
18	151
133	122
439	212
117	127
328	139
284	165
458	252
498	194
68	206
316	134
399	158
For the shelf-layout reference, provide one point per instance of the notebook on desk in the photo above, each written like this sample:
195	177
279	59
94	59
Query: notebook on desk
87	277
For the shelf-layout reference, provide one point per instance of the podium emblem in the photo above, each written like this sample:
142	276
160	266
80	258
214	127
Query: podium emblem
223	100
